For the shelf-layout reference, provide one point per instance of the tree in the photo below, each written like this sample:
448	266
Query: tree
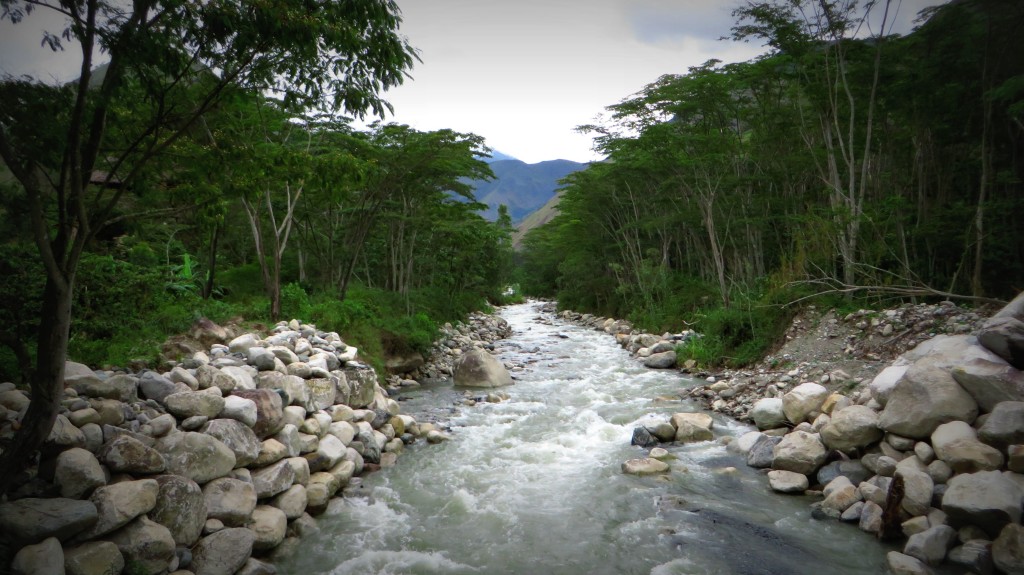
76	163
817	34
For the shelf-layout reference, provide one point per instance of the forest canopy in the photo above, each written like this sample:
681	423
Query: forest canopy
204	163
842	162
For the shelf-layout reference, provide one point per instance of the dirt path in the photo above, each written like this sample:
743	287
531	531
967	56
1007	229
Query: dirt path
842	353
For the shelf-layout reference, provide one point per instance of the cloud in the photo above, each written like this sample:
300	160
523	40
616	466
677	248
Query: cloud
661	22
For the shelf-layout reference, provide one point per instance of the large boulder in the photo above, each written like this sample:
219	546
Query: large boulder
269	410
147	546
239	438
270	525
126	454
330	450
762	451
79	376
29	521
924	398
121	387
851	469
481	369
988	378
157	387
208	376
181	508
917	491
1004	426
197	456
799	452
207	333
63	435
78	472
242	343
767	413
190	404
692	427
661	360
44	558
359	383
274	479
230	501
987	499
1008	549
244	377
930	545
803	401
120	503
943	350
1004	336
292	502
239	409
320	392
883	383
851	428
223	552
900	564
296	391
957	444
261	358
644	466
787	481
93	558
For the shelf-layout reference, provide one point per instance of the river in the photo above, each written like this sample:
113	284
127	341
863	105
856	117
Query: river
534	485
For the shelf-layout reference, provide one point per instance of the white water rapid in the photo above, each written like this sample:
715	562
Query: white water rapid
533	485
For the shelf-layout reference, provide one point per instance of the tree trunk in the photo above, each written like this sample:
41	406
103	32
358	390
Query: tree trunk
212	262
707	207
977	289
47	382
274	287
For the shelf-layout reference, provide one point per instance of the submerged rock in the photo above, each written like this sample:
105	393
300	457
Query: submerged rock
644	466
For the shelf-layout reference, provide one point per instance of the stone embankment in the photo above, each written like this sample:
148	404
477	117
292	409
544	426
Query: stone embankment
464	354
213	467
929	452
478	332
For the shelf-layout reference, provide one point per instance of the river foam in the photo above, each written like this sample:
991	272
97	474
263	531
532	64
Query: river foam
533	485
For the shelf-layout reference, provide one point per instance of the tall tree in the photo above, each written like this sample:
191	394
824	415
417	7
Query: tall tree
819	36
182	56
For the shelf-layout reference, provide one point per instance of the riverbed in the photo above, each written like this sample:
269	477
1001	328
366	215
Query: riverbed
534	484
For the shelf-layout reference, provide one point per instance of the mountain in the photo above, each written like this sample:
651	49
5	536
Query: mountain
497	156
535	220
522	187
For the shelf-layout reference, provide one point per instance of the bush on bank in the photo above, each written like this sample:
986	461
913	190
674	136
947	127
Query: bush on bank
124	309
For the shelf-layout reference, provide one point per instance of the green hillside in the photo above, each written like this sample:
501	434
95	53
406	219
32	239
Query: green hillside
523	187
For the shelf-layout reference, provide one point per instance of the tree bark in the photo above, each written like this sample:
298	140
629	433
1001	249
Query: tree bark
211	262
47	382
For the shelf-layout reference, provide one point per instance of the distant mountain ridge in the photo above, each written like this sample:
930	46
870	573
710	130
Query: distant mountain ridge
523	187
497	156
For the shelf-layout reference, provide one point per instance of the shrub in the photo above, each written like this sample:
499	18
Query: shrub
295	302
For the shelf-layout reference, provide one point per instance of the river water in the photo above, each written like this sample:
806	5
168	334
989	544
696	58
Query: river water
533	485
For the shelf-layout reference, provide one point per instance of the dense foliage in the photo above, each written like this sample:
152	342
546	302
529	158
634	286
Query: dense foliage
836	163
213	132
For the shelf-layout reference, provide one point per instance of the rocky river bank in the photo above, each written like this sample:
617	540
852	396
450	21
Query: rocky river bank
217	464
927	449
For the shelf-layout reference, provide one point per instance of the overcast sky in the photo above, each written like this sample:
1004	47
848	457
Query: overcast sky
521	73
525	73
